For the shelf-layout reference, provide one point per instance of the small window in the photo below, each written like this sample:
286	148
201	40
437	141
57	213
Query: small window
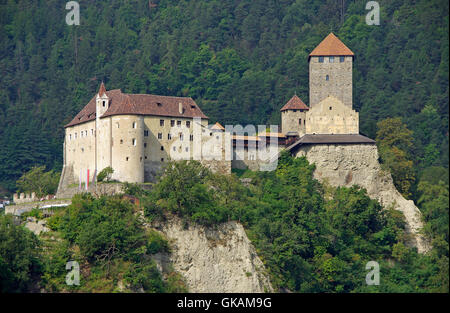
320	59
187	149
134	142
181	137
126	158
82	149
331	59
118	126
121	141
300	122
145	145
172	123
188	124
134	124
146	157
92	131
104	103
192	106
191	137
174	149
162	159
70	136
161	122
159	104
169	136
145	133
162	148
327	78
140	159
159	135
75	135
341	59
179	123
331	108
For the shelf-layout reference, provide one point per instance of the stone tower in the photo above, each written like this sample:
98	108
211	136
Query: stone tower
293	117
330	71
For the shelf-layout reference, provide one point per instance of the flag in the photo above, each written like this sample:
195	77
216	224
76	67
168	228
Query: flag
87	181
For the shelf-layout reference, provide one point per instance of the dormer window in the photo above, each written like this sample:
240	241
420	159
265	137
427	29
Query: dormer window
159	104
104	103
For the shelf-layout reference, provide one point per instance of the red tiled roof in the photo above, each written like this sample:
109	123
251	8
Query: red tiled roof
248	138
140	104
295	104
218	126
279	135
331	45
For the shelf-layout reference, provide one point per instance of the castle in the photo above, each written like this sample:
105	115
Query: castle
136	134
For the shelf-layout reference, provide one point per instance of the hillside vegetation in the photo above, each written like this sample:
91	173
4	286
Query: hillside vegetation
311	237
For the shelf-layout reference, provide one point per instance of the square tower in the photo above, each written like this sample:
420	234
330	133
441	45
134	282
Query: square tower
330	71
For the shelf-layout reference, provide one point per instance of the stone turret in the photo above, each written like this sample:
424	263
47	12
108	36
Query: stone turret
293	117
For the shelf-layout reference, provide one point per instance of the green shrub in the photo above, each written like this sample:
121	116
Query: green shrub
105	174
19	256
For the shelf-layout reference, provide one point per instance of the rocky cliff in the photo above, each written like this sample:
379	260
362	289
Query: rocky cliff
220	259
357	164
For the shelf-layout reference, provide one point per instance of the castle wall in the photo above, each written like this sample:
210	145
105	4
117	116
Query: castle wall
159	150
80	151
331	116
339	82
293	121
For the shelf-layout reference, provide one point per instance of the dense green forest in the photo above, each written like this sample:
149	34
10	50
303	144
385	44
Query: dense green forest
310	236
246	56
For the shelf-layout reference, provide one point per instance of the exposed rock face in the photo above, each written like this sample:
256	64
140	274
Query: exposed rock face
357	164
214	260
37	227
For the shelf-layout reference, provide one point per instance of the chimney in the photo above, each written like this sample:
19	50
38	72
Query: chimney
180	107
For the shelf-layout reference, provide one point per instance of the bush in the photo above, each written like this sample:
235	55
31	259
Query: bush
19	256
105	174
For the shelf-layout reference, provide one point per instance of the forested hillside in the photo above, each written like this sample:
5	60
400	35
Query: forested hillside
241	60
